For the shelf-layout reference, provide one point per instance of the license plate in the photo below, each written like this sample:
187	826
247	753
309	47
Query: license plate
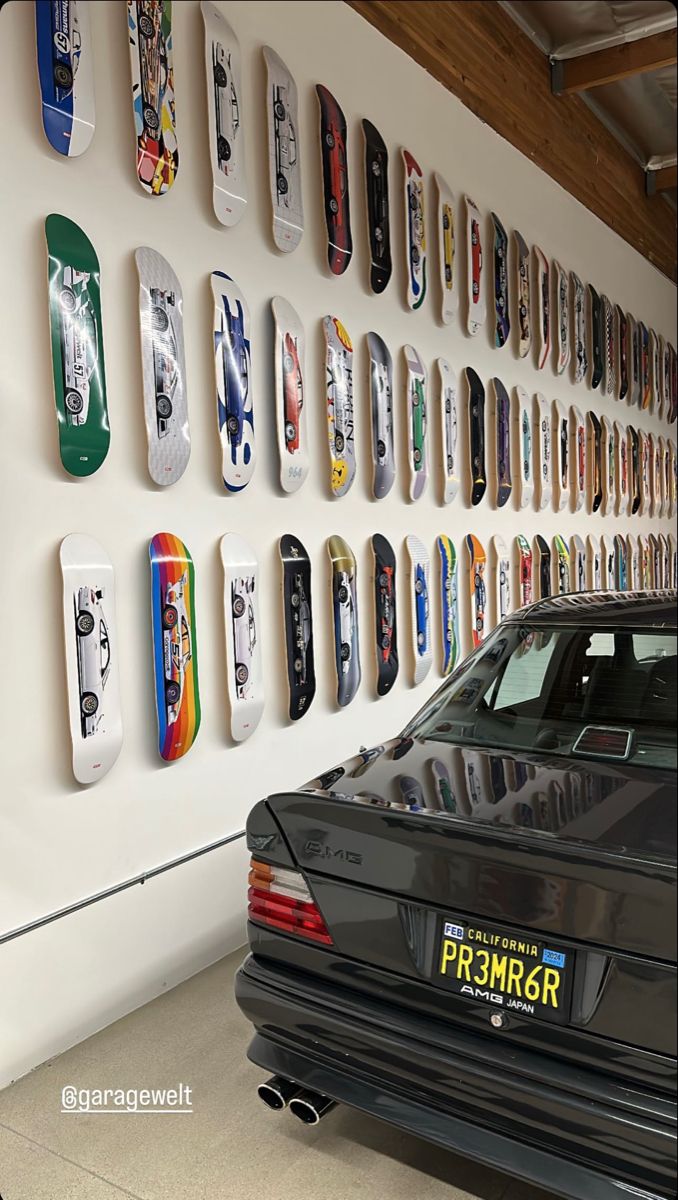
513	971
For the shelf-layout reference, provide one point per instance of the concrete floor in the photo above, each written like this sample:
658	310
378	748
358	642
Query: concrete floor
231	1147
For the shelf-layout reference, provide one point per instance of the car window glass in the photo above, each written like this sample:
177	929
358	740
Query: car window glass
524	676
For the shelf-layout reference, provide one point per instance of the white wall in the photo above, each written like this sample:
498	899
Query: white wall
59	842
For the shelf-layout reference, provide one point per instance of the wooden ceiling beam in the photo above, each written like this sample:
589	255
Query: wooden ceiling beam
661	180
615	62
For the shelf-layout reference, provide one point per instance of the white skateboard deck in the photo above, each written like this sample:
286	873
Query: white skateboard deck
448	401
644	461
446	250
664	470
655	477
415	230
419	571
643	563
562	322
577	564
608	467
284	153
381	408
502	579
523	443
339	398
561	455
594	563
151	52
542	423
417	422
633	567
91	641
233	373
621	469
579	307
163	366
243	635
523	294
224	116
291	396
578	458
474	269
607	580
64	47
543	322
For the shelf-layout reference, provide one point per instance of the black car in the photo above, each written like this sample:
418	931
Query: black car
495	973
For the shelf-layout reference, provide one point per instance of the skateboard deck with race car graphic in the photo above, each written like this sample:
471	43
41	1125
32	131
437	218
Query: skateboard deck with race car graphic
417	422
542	423
335	181
596	332
543	289
284	153
415	231
446	250
523	305
378	212
502	436
477	588
561	455
581	365
345	619
476	428
522	406
562	561
64	49
224	116
289	358
607	562
621	468
502	319
635	385
524	570
149	24
594	563
233	371
244	672
543	567
562	321
577	564
175	657
298	619
644	458
608	461
502	579
645	381
449	595
77	347
578	472
385	616
620	572
474	268
381	407
609	358
163	365
419	572
449	441
339	399
91	643
635	470
633	571
594	456
622	361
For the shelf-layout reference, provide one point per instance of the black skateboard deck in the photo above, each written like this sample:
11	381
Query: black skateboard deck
378	216
503	442
298	614
634	472
476	417
385	614
335	181
622	354
595	461
502	321
543	567
597	337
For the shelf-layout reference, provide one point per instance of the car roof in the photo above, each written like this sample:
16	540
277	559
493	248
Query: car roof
630	609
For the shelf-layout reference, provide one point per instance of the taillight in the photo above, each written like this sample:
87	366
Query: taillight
280	898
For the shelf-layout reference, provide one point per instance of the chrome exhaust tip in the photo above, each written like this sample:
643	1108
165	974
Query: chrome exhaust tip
277	1092
311	1107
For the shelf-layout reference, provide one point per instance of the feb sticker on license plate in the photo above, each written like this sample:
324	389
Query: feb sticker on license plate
499	967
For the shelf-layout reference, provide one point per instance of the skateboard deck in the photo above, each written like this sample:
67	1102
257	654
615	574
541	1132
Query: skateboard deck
381	407
660	409
378	212
284	153
666	561
634	354
244	672
543	307
476	426
607	557
474	268
620	580
579	450
149	24
635	469
578	564
621	468
608	462
664	469
655	561
655	397
224	116
522	252
609	344
633	571
594	563
561	455
674	384
622	363
543	567
446	250
449	595
339	399
644	455
594	456
477	588
449	416
233	369
645	383
562	321
77	347
289	346
417	422
502	320
581	364
644	559
298	618
64	49
415	231
673	482
673	562
175	655
385	621
91	642
562	560
523	442
666	378
163	366
655	477
345	619
524	570
543	424
419	571
502	427
335	181
502	579
596	337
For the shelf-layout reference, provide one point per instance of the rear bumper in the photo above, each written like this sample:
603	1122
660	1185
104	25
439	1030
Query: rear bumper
566	1137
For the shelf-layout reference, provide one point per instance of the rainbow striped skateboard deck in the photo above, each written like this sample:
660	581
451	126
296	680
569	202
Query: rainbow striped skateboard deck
175	658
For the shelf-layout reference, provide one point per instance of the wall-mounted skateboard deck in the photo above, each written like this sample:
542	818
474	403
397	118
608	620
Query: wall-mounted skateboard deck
666	561
225	116
419	571
522	420
233	374
385	614
645	475
620	569
594	563
561	455
502	442
446	250
673	562
333	141
64	48
577	564
175	656
543	567
562	321
476	433
608	461
474	268
542	413
477	590
622	364
610	353
633	569
448	398
666	376
291	395
607	562
635	470
502	579
635	385
91	642
662	465
163	364
643	581
77	347
581	364
543	290
381	409
449	596
524	570
378	210
339	400
672	484
298	620
645	381
562	561
284	153
502	318
151	55
594	456
655	390
578	474
415	231
523	294
345	619
596	337
417	421
621	468
244	673
655	477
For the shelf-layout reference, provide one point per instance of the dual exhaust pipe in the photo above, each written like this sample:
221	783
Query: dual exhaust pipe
279	1093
